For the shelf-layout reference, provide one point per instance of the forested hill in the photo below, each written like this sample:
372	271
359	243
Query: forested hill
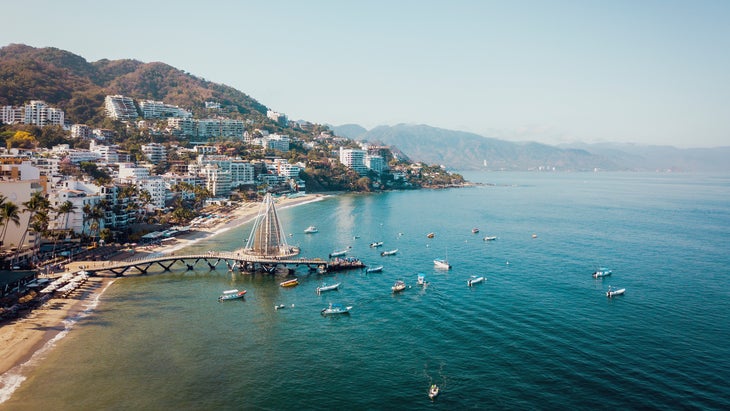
68	81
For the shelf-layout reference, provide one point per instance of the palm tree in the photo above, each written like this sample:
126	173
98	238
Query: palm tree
66	208
9	211
38	203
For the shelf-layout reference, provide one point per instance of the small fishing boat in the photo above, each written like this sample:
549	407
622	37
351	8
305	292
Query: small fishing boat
279	307
442	264
433	392
336	309
612	293
338	253
421	280
376	244
474	230
601	272
374	269
430	235
231	295
390	252
290	283
398	286
327	287
311	230
490	238
474	280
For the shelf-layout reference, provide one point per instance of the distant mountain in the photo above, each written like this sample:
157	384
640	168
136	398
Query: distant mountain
464	151
351	131
69	82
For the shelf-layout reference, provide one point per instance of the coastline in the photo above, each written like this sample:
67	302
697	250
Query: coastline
25	341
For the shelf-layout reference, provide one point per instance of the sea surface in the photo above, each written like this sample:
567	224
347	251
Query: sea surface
540	333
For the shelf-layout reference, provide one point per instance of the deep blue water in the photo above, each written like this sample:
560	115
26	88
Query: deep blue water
538	334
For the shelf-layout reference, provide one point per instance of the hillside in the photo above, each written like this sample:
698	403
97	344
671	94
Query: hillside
68	81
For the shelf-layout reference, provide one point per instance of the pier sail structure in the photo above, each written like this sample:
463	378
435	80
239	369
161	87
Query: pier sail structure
267	238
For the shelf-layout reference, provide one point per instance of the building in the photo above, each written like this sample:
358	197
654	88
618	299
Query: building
119	107
276	142
277	117
218	181
11	115
131	170
354	159
158	109
19	179
375	163
81	131
156	153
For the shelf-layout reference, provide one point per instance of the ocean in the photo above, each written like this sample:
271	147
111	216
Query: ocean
539	333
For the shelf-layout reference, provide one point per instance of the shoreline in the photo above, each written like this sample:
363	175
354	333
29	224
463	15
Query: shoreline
26	340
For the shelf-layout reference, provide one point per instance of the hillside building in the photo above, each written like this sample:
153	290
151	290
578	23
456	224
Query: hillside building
119	107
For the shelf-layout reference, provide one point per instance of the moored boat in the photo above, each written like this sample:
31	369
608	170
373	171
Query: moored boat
336	309
311	230
474	230
389	252
327	287
231	295
433	392
399	286
431	235
442	264
279	307
338	253
601	272
474	280
375	244
612	293
290	283
490	238
374	269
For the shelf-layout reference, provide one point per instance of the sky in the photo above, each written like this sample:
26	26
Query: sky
645	72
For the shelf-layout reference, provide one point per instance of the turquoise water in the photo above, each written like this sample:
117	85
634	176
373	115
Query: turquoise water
539	333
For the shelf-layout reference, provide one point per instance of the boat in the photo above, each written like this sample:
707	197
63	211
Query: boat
398	286
311	230
474	230
433	392
338	253
231	295
441	263
290	283
474	280
279	307
391	252
612	293
336	309
327	287
601	272
421	280
376	244
374	269
430	235
490	238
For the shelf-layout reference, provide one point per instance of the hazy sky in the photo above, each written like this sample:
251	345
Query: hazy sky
649	72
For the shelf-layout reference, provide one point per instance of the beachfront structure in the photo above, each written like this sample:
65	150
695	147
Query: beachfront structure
267	238
119	107
79	194
19	180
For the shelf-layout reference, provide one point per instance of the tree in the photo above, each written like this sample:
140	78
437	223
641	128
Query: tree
66	208
9	212
38	203
21	139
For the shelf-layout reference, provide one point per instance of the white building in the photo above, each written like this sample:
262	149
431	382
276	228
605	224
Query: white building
277	117
354	159
80	194
156	153
81	131
157	188
276	142
158	109
119	107
218	181
375	163
40	114
11	115
19	179
107	153
131	170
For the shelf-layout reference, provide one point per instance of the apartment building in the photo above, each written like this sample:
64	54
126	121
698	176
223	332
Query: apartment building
119	107
158	109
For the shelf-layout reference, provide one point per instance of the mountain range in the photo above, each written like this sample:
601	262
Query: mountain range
468	151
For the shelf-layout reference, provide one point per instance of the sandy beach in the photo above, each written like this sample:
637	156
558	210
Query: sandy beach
25	339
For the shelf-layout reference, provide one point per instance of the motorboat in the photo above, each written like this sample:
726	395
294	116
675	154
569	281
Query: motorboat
338	253
279	307
231	295
398	286
290	283
601	272
374	269
336	309
390	252
327	287
612	293
474	230
490	238
433	392
421	280
474	280
375	244
430	235
442	264
311	230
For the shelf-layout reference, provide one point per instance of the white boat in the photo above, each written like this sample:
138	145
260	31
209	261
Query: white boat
601	272
374	269
490	238
441	263
231	295
279	307
474	230
327	287
376	244
338	253
336	309
311	230
421	280
612	293
390	252
474	280
398	286
433	392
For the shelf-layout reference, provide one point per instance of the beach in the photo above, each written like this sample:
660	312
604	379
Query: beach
25	340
